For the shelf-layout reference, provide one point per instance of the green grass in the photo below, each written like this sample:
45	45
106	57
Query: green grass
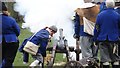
19	57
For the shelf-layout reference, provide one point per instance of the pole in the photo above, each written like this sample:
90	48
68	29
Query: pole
77	51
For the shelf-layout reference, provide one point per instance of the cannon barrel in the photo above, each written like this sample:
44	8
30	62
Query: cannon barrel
61	43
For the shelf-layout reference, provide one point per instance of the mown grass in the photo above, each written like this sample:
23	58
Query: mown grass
25	33
19	57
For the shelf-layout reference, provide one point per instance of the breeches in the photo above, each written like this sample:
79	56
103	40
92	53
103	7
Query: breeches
108	51
86	46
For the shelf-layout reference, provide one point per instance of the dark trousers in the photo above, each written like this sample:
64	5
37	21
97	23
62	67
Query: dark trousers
95	52
25	57
9	51
119	49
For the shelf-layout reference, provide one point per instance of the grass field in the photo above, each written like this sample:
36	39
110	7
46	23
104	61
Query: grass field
19	57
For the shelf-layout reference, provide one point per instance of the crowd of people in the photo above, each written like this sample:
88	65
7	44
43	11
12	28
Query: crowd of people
10	41
106	38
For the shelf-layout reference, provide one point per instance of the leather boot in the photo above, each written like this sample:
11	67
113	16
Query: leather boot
106	66
115	66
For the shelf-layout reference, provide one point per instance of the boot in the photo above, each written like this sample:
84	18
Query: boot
106	66
115	66
101	65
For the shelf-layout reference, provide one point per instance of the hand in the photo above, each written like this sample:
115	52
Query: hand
95	43
76	36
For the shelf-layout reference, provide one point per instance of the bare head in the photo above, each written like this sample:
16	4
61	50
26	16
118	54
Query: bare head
110	3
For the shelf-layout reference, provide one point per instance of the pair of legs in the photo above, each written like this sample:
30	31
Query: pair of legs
86	46
38	60
108	54
9	51
25	57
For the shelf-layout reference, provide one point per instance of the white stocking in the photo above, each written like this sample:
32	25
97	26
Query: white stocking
34	63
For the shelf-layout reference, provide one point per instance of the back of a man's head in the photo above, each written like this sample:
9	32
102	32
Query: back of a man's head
54	28
4	7
110	3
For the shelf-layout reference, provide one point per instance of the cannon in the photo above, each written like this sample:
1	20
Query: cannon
83	63
60	46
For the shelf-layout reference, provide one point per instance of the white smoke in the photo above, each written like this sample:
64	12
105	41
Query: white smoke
41	13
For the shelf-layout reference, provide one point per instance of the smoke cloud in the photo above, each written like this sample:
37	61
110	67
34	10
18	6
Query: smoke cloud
41	13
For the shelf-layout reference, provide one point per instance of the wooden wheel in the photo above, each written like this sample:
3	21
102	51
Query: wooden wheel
73	64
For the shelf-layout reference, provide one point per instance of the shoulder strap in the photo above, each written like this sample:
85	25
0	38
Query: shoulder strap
32	36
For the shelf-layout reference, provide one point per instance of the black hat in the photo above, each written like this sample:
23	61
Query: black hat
117	3
4	7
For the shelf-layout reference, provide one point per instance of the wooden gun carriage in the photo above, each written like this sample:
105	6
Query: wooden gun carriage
60	46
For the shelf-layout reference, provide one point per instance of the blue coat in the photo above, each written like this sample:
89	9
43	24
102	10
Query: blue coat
40	38
10	29
118	10
107	26
102	6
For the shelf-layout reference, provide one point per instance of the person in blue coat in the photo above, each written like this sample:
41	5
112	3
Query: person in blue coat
10	41
102	6
41	38
106	33
84	38
25	54
118	11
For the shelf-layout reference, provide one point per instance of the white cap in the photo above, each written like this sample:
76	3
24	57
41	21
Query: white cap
110	3
54	28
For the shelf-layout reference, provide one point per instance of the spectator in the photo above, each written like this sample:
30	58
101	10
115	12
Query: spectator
10	41
118	11
85	38
102	6
106	33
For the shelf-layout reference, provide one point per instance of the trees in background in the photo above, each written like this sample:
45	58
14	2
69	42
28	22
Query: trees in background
14	14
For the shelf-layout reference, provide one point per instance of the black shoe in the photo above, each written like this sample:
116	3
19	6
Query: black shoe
106	66
115	66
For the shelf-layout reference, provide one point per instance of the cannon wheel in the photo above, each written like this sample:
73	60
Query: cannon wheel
73	64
